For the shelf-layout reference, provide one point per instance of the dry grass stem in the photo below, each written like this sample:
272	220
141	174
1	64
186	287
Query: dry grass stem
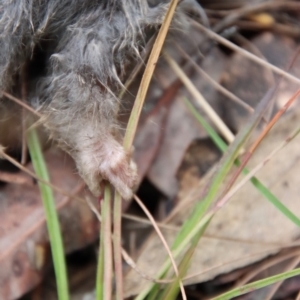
143	88
214	83
133	265
159	233
217	121
247	54
247	257
234	15
270	263
291	266
21	103
107	243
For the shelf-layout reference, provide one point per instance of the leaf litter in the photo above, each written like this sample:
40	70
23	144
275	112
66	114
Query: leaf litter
167	145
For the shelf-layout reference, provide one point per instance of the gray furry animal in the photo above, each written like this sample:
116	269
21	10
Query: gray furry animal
74	53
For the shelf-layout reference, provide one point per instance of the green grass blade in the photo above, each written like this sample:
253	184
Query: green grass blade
54	231
181	241
172	290
186	228
181	246
198	218
193	224
274	200
211	132
100	268
222	146
250	287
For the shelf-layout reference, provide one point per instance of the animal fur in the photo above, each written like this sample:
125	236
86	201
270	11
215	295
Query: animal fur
85	47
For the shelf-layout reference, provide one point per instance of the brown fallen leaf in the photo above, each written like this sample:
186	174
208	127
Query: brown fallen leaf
24	245
250	82
181	128
249	227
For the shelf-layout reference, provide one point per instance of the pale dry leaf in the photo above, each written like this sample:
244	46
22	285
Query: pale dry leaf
248	216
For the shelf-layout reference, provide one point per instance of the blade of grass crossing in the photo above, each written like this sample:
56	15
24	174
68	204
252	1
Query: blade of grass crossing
153	58
154	290
198	218
188	230
211	132
188	225
172	290
257	285
53	226
100	268
166	246
176	252
274	200
222	146
135	114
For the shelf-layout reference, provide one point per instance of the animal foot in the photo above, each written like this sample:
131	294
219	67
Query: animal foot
107	160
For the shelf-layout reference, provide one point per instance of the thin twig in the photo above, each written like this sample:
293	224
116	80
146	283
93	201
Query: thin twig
126	256
273	261
274	120
141	94
292	265
93	209
247	54
160	235
24	114
250	152
214	83
286	30
270	263
234	15
133	265
258	167
131	130
21	103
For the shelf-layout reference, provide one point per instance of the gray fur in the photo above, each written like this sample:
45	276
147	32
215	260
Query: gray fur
92	39
89	45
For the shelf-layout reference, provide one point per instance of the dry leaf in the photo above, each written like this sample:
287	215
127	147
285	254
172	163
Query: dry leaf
24	246
247	217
